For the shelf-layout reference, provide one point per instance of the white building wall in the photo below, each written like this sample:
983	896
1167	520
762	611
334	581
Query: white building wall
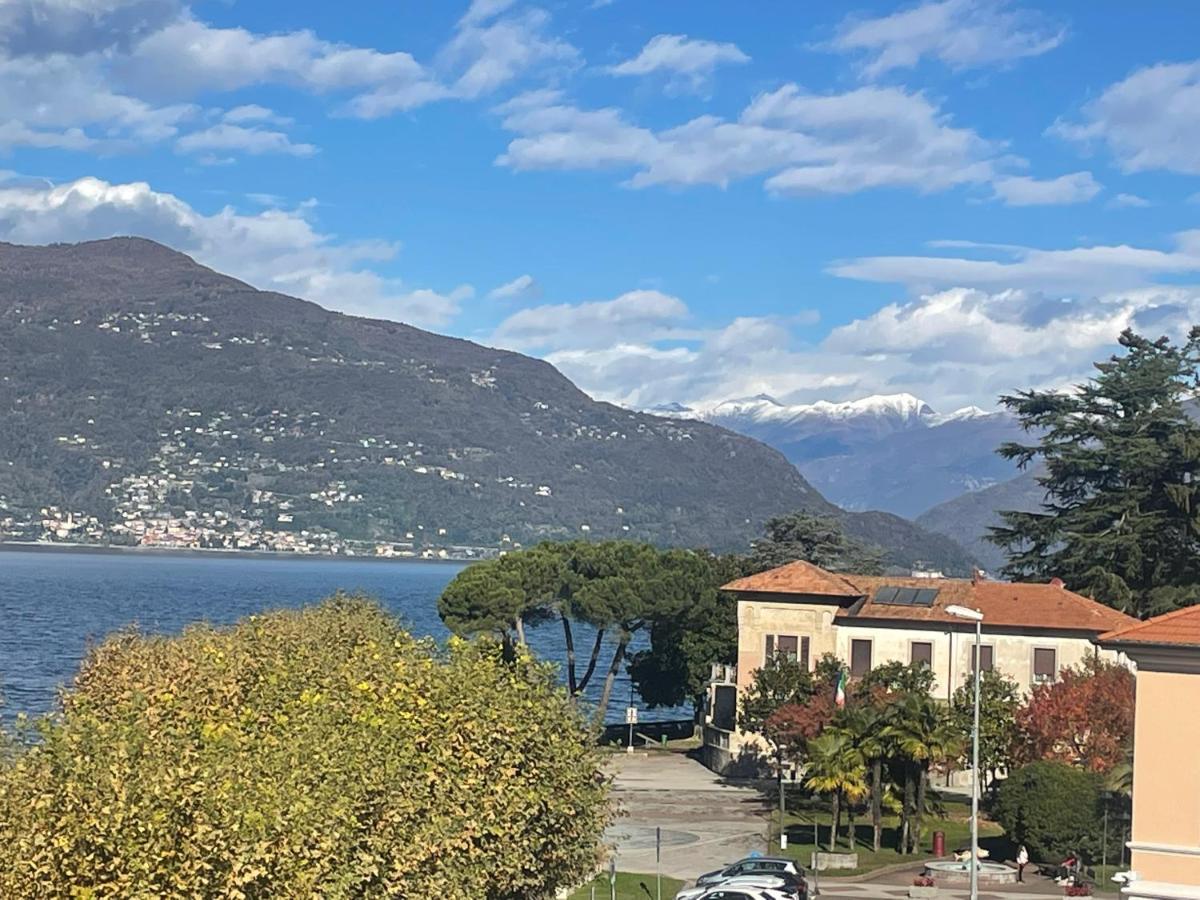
1012	653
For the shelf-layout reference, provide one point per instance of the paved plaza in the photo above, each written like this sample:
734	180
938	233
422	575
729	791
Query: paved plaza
707	822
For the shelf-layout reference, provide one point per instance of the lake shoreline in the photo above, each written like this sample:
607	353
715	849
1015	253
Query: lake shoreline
203	553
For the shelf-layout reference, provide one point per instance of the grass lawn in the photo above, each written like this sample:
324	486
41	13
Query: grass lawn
630	886
806	815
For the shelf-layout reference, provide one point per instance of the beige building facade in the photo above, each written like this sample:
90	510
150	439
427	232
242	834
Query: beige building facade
1030	632
1165	843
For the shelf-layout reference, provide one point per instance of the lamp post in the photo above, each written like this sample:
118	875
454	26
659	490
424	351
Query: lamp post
974	615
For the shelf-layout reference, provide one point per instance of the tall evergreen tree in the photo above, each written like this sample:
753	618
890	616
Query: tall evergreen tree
819	540
1121	460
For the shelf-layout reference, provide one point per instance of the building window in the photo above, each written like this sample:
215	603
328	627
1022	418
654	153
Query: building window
921	652
1045	664
988	655
788	646
860	657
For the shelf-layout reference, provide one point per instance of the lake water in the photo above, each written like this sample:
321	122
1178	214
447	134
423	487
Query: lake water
53	604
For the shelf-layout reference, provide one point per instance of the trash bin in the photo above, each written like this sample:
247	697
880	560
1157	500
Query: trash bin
939	843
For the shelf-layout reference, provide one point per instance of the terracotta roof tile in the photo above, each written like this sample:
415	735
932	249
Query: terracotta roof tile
795	578
1003	604
1181	627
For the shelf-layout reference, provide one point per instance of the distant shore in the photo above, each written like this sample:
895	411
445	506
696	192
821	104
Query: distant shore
203	552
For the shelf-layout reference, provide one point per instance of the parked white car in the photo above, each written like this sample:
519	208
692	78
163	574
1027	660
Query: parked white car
753	865
743	887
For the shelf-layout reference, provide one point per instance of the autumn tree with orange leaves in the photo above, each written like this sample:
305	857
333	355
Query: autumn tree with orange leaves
1085	718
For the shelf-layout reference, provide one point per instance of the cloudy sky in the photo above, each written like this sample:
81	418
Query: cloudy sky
678	200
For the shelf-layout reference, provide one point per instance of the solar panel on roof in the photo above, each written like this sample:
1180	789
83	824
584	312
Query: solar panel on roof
905	596
925	597
886	595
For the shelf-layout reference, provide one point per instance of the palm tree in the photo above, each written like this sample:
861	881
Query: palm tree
835	767
922	735
866	723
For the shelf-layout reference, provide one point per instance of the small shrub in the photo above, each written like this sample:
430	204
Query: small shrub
1078	890
923	881
319	752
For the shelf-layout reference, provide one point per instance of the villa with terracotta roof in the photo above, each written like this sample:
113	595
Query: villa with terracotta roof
1030	633
1166	765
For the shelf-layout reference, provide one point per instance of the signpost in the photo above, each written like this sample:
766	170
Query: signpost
658	862
612	878
631	714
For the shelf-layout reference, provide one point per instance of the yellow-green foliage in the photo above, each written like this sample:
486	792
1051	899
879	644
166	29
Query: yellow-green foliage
313	753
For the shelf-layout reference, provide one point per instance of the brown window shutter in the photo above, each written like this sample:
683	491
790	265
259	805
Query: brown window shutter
987	654
1045	664
921	653
860	657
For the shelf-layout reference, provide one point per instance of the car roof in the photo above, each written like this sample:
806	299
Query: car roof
773	859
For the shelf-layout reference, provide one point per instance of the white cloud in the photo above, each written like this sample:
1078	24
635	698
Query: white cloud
521	287
115	75
67	96
1148	120
633	315
482	10
226	136
954	347
1023	190
690	62
40	27
802	142
483	58
962	34
189	56
1078	271
965	329
252	112
273	249
1129	200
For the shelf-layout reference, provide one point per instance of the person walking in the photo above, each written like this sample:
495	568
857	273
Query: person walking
1022	862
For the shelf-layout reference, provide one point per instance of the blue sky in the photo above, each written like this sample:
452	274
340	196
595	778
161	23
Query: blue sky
671	201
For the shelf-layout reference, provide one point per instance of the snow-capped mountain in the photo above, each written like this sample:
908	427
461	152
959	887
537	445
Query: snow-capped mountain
892	452
764	408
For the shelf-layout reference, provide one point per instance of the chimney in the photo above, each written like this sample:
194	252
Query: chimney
1058	582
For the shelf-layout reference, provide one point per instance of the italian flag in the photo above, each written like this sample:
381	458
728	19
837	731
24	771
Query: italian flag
839	691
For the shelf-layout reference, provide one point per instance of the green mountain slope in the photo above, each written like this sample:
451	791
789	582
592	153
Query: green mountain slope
968	517
147	397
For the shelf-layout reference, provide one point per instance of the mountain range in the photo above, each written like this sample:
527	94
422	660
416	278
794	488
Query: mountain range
893	452
148	399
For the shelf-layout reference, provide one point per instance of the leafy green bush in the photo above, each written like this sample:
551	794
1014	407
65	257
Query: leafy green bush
321	752
1052	808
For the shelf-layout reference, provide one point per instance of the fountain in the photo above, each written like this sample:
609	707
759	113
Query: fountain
957	873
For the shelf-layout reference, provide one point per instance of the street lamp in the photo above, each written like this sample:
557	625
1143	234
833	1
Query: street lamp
973	615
